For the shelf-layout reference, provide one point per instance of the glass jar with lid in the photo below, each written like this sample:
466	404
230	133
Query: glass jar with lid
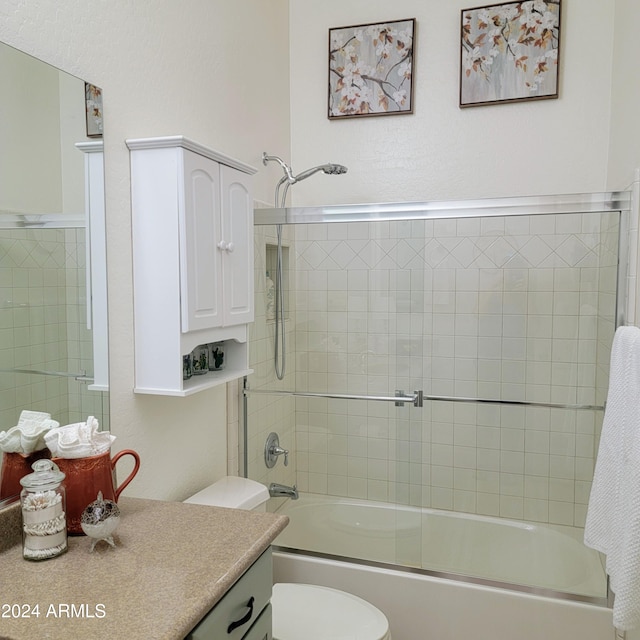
44	521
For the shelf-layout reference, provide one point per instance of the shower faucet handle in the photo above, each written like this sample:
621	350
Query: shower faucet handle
279	451
272	450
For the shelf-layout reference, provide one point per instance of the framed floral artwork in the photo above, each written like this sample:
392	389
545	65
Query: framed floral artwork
93	106
509	52
371	69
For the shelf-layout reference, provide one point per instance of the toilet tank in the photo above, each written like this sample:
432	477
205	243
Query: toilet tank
234	493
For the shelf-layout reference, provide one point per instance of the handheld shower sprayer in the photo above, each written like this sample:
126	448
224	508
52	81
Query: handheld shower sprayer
279	359
330	169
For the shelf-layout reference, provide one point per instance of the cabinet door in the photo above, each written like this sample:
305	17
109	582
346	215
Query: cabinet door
200	255
237	238
241	606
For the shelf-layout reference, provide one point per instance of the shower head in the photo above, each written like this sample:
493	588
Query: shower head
334	169
288	179
329	169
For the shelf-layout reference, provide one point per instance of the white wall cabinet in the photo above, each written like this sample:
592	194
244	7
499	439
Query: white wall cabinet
192	225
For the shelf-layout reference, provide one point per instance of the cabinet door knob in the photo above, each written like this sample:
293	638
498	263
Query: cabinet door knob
230	247
222	245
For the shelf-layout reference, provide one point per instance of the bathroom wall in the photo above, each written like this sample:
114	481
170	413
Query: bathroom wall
442	151
624	143
214	71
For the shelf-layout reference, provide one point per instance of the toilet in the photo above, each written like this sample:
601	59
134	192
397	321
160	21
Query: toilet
301	610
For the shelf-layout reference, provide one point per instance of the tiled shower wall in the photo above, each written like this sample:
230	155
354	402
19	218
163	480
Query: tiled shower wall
518	308
43	326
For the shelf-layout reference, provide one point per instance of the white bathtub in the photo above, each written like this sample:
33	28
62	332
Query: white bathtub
495	549
498	552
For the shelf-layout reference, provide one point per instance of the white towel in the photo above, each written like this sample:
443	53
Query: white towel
613	516
79	440
28	435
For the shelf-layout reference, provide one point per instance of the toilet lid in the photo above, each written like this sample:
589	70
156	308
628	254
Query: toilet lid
319	613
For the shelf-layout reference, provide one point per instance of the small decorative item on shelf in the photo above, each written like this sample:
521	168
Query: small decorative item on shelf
100	519
200	360
187	370
44	520
216	357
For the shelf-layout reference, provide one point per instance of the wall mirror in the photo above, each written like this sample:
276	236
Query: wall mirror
53	313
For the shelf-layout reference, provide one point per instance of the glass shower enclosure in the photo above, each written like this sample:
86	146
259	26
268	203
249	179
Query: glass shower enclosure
46	348
447	368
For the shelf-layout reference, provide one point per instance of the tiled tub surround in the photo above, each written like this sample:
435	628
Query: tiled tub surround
513	308
43	325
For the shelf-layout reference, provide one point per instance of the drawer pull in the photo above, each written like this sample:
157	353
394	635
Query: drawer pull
245	618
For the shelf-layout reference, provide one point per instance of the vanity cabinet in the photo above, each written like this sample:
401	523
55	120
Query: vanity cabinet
244	613
192	226
178	571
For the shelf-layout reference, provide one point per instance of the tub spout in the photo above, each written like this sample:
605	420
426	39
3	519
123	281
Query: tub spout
283	491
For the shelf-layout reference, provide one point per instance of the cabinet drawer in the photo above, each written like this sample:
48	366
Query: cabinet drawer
263	627
240	607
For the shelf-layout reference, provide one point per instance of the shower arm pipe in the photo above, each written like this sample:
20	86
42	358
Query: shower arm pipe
419	397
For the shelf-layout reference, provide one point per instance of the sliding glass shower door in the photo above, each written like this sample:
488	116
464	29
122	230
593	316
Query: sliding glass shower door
503	323
46	350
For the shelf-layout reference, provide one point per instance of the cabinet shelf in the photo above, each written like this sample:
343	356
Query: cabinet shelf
195	384
235	366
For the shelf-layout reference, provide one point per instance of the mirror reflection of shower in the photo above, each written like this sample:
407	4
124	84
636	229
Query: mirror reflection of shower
279	356
53	311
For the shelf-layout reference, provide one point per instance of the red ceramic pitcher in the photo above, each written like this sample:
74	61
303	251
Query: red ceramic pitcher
84	477
15	466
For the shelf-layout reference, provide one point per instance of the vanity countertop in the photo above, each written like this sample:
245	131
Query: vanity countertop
173	562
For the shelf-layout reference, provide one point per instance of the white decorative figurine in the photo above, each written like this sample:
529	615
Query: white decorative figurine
100	519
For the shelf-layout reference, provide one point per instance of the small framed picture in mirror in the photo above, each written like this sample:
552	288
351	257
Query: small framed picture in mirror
93	105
